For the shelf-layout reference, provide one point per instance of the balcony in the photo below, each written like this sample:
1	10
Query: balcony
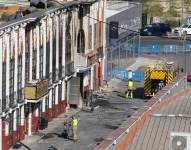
80	60
69	68
35	90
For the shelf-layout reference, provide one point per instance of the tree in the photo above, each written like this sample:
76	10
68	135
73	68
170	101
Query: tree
172	12
156	10
187	5
152	9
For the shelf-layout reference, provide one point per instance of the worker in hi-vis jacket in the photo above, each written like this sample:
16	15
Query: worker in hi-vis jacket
129	93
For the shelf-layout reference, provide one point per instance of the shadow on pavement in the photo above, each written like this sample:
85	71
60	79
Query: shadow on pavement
122	96
113	127
20	144
116	91
138	93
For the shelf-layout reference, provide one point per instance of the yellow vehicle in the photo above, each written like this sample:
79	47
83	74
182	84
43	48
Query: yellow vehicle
158	75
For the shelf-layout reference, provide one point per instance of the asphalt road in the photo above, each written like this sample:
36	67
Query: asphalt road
145	40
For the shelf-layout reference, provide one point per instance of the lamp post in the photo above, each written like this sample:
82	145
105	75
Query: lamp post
184	51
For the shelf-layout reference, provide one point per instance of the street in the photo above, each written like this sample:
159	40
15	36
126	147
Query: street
145	40
112	109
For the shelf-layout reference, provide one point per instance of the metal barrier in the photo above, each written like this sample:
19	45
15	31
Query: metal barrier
170	48
153	49
120	53
136	75
188	47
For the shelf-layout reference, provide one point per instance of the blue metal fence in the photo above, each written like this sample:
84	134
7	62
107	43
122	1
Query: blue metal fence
170	48
123	74
153	49
121	55
188	47
138	76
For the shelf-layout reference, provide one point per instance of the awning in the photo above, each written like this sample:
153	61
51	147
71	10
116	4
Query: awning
81	69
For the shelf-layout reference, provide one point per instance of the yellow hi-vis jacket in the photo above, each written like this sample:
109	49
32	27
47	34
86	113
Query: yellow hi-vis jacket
130	84
74	122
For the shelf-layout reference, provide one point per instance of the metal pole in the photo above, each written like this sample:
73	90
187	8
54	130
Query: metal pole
139	48
133	48
185	63
126	49
119	56
111	64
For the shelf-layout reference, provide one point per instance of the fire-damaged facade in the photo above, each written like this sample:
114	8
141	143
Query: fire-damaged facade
49	60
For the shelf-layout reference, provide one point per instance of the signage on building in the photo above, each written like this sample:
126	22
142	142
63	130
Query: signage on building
113	29
128	20
91	57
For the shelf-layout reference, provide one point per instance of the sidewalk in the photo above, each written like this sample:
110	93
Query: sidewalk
35	138
112	109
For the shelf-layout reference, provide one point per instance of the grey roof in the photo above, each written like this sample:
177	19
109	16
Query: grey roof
155	133
119	5
41	13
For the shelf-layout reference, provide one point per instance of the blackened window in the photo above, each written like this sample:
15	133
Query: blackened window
41	64
68	48
47	51
100	33
18	120
34	63
94	36
81	41
46	103
90	37
59	92
54	51
11	82
4	86
53	96
27	56
19	76
41	54
60	46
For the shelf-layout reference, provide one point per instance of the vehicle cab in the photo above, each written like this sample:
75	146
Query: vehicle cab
184	29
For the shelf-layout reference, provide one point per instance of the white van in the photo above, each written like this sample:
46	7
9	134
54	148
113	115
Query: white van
184	29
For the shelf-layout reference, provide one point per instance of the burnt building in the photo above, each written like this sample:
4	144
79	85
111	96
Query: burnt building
49	60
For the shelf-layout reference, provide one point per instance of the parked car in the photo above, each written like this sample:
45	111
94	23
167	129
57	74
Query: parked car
184	29
158	29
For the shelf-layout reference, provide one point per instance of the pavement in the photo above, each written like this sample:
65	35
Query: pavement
112	108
